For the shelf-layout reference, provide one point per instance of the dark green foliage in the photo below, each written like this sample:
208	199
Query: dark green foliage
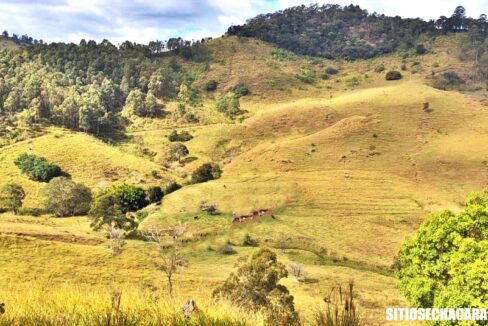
11	197
379	68
177	151
109	207
393	75
446	263
449	80
211	85
229	104
155	194
306	75
209	208
324	76
63	197
36	167
420	49
331	70
172	187
331	31
227	250
254	286
249	241
206	172
179	137
241	89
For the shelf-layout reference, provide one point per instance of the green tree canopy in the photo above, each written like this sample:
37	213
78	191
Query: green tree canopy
63	197
446	263
11	197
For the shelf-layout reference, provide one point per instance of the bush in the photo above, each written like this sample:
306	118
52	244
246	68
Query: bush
177	151
393	75
248	241
229	104
331	70
209	208
241	89
11	197
307	76
155	194
172	187
206	172
379	68
36	167
254	286
449	80
211	85
227	250
181	137
420	49
324	76
63	197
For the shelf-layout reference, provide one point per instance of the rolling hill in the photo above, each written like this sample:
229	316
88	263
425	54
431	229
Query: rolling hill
347	166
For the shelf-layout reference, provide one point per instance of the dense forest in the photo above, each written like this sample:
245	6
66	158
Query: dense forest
85	86
332	31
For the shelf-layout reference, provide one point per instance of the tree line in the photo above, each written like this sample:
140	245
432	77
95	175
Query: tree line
332	31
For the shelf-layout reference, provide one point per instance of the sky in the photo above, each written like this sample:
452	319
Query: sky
143	20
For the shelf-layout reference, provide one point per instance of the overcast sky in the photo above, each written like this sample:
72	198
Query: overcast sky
144	20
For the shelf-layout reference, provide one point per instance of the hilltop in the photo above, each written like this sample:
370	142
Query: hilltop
345	164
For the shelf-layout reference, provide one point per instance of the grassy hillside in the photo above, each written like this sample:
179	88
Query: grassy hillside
348	167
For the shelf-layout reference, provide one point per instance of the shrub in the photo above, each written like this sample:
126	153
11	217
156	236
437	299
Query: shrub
331	70
227	250
379	68
209	208
211	85
206	172
254	286
449	80
393	75
63	197
154	194
307	76
172	187
241	89
324	76
181	137
11	197
248	241
420	49
177	151
36	167
229	104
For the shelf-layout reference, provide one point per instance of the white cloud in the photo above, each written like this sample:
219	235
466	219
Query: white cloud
145	20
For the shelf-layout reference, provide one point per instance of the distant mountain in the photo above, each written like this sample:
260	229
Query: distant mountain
332	31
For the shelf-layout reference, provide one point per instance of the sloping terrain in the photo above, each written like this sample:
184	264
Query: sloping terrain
347	167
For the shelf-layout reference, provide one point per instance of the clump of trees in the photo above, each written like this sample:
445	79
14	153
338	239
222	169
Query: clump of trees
445	264
183	136
36	167
229	104
449	80
11	197
254	286
206	172
109	207
64	197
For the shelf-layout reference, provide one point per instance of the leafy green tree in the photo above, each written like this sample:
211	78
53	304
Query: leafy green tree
177	151
446	263
11	197
151	105
63	197
206	172
135	104
254	286
229	105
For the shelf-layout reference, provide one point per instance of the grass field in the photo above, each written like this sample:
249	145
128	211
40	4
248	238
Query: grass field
349	169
